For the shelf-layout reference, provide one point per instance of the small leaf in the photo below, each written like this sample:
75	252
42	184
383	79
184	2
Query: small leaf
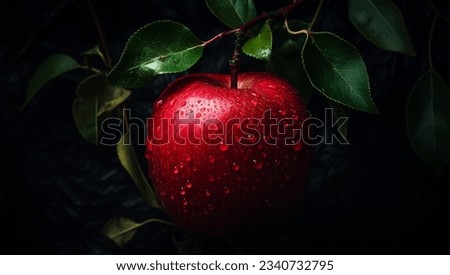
336	69
54	66
95	51
158	48
232	13
428	120
127	157
120	230
260	46
287	62
381	22
95	96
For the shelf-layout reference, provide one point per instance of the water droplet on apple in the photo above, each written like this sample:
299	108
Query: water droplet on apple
223	147
198	115
235	167
158	103
282	112
226	190
212	159
297	147
183	103
148	154
188	184
207	193
175	170
257	164
253	94
172	197
254	102
185	202
188	158
182	191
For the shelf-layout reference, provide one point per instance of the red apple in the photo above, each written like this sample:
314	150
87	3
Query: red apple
235	169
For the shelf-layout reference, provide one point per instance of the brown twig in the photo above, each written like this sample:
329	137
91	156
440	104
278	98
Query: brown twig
101	35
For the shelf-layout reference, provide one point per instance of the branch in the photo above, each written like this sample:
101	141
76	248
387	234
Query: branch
284	11
101	34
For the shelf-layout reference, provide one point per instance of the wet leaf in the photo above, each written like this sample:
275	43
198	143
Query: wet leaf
428	121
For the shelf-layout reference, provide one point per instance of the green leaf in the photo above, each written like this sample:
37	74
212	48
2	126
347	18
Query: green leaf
232	13
94	51
158	48
287	62
336	69
127	157
120	230
54	66
381	22
260	46
428	120
95	96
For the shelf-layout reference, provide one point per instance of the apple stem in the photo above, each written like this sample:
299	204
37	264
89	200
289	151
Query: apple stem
235	60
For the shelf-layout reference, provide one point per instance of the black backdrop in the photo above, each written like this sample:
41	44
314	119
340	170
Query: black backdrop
57	191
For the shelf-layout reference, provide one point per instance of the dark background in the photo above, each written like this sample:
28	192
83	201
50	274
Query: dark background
57	191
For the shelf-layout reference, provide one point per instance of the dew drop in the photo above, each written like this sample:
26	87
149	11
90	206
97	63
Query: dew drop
159	103
171	102
188	184
172	197
257	164
282	112
223	147
235	167
295	117
254	102
185	202
182	191
148	154
198	115
188	158
207	193
175	170
226	190
211	159
251	138
297	147
183	103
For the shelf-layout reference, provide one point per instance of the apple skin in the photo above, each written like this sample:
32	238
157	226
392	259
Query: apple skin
209	190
